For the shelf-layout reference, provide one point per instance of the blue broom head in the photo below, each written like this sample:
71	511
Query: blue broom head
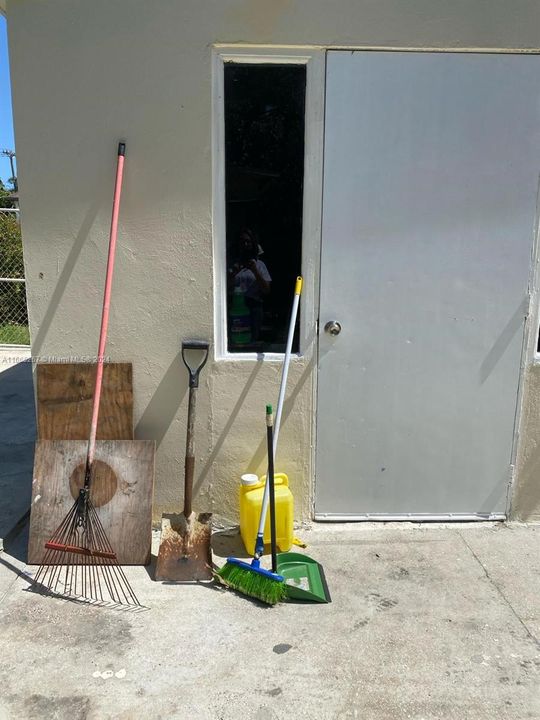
255	566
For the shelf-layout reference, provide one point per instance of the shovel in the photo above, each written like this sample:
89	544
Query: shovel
185	553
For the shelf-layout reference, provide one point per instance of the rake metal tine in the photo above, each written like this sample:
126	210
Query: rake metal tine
125	586
120	582
55	570
95	575
108	573
92	575
42	569
113	570
68	576
45	567
65	523
100	561
130	597
134	598
73	580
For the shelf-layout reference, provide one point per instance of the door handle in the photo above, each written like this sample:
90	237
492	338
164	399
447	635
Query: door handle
332	327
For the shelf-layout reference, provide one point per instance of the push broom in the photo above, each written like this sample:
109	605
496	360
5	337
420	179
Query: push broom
79	562
250	578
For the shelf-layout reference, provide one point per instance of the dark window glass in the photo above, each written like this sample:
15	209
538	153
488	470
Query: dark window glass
264	173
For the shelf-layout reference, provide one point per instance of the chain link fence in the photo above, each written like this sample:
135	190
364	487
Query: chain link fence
13	308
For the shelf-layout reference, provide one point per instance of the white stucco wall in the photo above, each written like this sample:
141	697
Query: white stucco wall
87	73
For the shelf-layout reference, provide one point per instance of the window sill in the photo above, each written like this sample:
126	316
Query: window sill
257	357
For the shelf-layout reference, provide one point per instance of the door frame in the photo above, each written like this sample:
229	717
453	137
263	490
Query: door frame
531	330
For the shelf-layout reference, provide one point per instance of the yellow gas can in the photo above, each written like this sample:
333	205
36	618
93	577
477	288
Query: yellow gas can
251	496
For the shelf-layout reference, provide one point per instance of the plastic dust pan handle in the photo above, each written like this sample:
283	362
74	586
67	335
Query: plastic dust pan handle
270	484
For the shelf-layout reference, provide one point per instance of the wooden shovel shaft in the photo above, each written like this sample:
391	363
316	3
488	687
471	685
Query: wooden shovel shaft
106	306
190	453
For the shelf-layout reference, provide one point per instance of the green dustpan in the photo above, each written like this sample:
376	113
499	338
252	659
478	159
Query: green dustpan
304	577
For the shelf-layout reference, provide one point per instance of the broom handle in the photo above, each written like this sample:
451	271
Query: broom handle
287	361
106	306
259	542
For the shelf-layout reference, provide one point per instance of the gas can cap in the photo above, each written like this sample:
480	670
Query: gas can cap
249	479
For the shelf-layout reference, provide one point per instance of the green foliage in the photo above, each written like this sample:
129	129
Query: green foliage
11	255
4	193
14	335
13	312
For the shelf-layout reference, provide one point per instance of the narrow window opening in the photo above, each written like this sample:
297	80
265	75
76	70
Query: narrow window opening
264	174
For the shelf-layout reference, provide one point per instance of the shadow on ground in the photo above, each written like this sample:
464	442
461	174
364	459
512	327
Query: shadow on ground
17	438
228	543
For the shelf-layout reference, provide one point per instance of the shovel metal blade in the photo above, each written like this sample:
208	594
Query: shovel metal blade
185	553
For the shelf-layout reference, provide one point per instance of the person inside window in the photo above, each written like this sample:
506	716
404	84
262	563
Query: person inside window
249	276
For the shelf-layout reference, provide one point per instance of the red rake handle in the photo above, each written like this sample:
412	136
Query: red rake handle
106	304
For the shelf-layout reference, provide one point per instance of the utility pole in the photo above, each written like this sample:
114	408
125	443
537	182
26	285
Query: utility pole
13	179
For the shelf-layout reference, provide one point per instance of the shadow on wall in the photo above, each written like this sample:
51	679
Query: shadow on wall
65	275
230	422
292	393
514	325
163	406
261	452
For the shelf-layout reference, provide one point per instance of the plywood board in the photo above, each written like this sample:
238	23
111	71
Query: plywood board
121	491
64	401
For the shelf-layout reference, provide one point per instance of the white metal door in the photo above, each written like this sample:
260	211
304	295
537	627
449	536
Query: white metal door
430	185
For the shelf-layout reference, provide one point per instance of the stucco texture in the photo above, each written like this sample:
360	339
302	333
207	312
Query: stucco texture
86	74
526	496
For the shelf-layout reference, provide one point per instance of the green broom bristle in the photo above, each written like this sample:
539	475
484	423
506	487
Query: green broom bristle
252	583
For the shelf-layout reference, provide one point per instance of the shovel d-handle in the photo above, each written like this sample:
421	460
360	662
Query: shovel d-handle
201	345
193	385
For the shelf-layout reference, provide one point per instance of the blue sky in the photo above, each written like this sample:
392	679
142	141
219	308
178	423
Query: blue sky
6	119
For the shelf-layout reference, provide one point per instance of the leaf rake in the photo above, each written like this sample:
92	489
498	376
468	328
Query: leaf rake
80	563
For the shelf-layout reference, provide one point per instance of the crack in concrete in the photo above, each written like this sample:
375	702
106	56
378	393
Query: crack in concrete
501	593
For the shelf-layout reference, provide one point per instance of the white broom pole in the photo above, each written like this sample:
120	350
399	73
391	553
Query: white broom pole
259	543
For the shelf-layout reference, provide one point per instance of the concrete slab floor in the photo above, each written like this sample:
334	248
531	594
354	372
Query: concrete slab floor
426	622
